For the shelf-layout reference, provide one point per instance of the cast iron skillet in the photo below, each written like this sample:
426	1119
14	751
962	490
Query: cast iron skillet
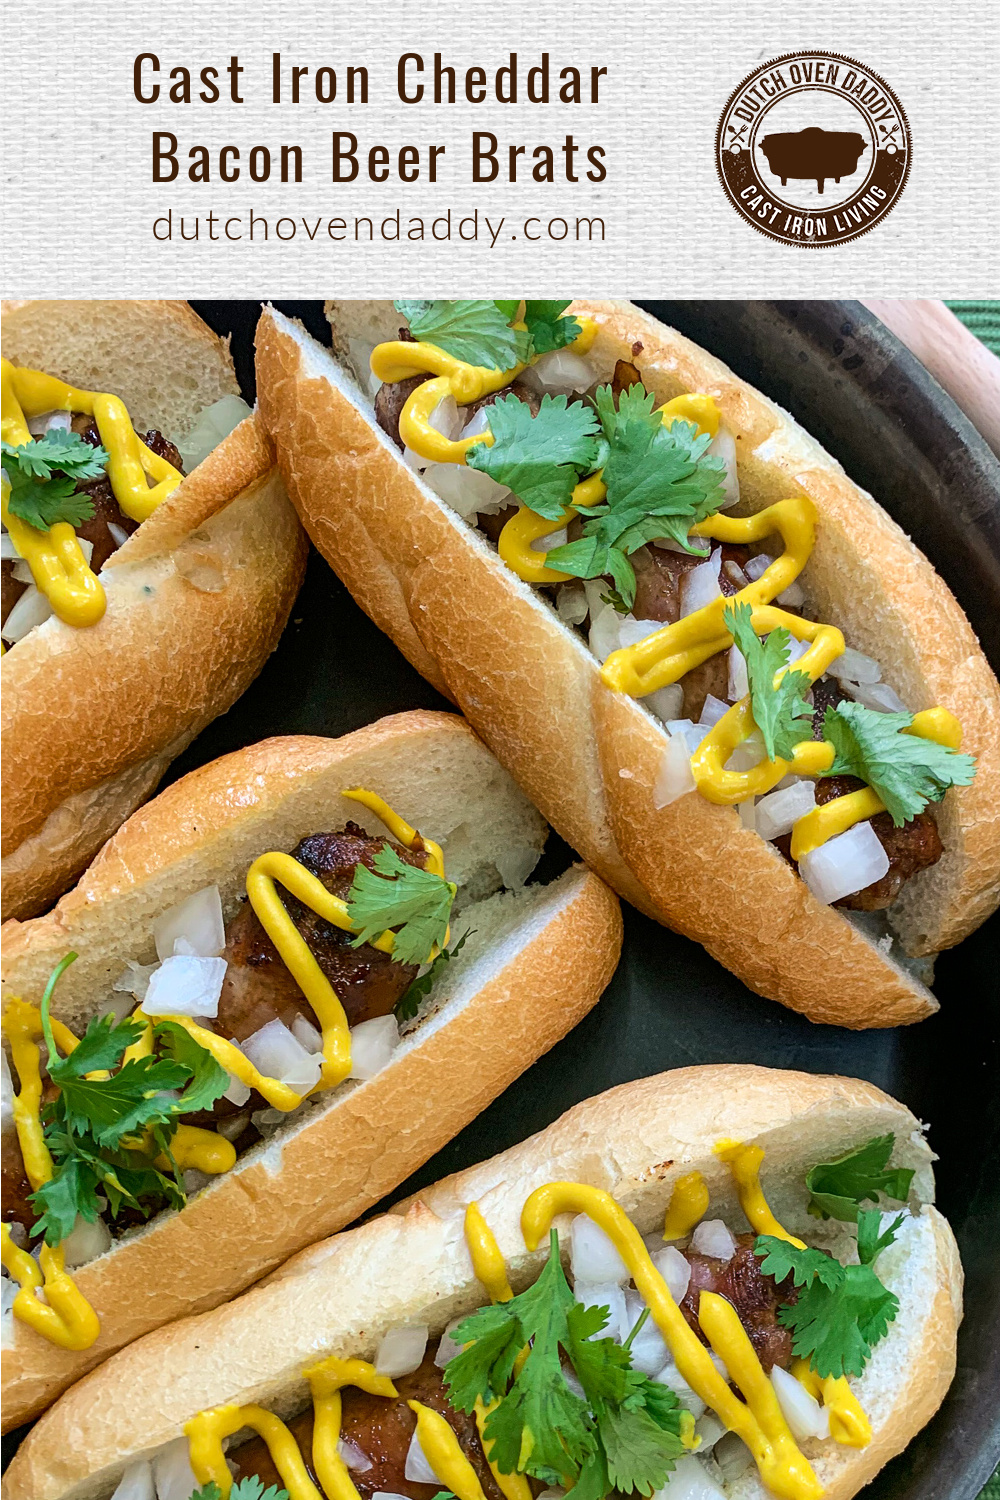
870	403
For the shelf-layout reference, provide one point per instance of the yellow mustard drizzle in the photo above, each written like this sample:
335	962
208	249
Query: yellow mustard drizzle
687	1206
744	1163
848	1423
267	870
66	1317
207	1432
758	1421
488	1263
444	1454
55	557
326	1381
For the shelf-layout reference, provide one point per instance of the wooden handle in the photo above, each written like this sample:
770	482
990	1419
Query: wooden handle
955	357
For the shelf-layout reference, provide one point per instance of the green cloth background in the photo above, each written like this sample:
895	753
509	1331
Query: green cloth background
982	319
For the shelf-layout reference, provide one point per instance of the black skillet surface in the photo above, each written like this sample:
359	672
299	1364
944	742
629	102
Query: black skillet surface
874	407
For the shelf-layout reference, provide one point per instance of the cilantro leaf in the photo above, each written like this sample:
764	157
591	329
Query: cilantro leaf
43	476
476	332
508	306
71	1190
409	1002
119	1106
208	1080
842	1312
778	710
904	770
539	458
102	1046
82	1168
250	1488
401	896
659	483
838	1188
547	328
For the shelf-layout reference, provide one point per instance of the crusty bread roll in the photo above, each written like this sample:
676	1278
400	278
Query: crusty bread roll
535	962
588	757
412	1266
196	598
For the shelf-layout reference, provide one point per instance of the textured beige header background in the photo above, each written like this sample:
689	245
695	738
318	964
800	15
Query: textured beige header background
80	203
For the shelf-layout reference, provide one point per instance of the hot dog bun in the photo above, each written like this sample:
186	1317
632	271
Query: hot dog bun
412	1266
196	598
588	757
535	962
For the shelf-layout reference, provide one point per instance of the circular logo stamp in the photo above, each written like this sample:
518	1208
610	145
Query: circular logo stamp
813	149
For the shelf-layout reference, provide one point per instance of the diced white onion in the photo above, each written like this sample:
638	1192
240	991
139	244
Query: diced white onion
610	1295
85	1242
875	695
305	1032
477	425
213	424
802	1412
747	814
391	1495
8	1291
592	1255
649	1348
550	542
21	573
135	980
231	1127
732	1456
700	584
723	446
690	1480
845	864
372	1045
515	865
136	1483
710	1430
418	1469
50	421
173	1473
778	811
712	1237
757	566
667	702
672	1377
674	778
712	711
194	1180
735	573
738	685
7	1094
415	461
401	1350
266	1120
447	1348
796	649
467	491
855	666
8	552
185	985
352	1456
675	1269
118	533
276	1053
31	609
610	631
571	604
446	418
748	753
198	920
560	373
237	1093
793	597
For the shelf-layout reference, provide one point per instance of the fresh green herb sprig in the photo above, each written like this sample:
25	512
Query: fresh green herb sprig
906	771
415	902
94	1124
250	1488
480	333
43	475
623	1434
539	458
842	1311
780	712
838	1188
409	1002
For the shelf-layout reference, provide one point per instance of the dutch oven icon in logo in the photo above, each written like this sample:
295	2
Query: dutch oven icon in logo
813	149
813	153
